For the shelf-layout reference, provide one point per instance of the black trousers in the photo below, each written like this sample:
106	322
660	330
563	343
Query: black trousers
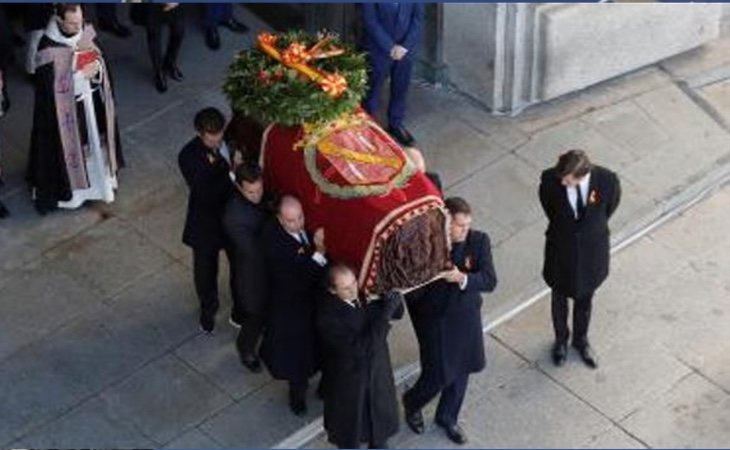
175	20
581	318
205	275
249	336
428	387
298	390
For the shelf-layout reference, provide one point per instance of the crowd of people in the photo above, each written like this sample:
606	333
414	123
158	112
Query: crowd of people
298	312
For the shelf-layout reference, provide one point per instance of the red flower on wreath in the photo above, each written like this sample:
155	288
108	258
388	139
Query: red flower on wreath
263	76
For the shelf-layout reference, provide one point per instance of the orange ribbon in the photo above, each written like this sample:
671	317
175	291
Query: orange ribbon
296	57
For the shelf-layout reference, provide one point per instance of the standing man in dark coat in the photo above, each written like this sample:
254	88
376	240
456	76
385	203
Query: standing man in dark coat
243	220
392	33
296	264
578	199
360	404
448	323
207	174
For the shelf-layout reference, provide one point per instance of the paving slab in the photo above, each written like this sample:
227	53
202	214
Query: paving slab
452	148
518	263
166	398
90	425
248	422
108	256
531	411
163	303
695	414
33	393
699	61
193	439
613	438
507	186
601	95
718	96
216	357
28	297
160	216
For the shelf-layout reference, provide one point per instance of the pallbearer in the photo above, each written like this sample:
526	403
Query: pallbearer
359	393
447	319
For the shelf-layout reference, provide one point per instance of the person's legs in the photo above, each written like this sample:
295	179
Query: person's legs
452	397
400	80
581	320
559	310
298	396
378	68
177	33
426	388
205	275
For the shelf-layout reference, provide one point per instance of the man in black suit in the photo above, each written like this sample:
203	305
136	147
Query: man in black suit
578	199
207	174
295	263
243	220
447	318
360	404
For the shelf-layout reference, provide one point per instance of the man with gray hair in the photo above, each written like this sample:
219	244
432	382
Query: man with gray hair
578	199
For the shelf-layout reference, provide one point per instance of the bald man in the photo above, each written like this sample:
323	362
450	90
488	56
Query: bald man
296	264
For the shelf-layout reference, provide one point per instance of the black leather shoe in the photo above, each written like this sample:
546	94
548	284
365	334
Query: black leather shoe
251	362
174	72
559	353
454	433
3	211
235	26
212	38
414	420
401	135
115	28
160	81
207	323
587	355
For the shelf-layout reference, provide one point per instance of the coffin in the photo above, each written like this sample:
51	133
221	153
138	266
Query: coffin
380	214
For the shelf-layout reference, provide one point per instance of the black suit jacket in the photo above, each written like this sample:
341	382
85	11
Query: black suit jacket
243	222
577	252
210	188
448	320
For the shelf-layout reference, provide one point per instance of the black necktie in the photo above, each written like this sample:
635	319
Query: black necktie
580	205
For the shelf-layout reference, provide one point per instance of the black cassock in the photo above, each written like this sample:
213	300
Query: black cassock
289	344
577	251
46	166
359	399
448	321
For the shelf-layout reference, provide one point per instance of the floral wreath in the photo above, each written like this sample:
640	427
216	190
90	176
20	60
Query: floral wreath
295	78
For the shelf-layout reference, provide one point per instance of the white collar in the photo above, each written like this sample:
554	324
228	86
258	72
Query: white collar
585	181
54	32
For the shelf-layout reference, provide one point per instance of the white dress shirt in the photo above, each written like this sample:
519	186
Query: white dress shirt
573	193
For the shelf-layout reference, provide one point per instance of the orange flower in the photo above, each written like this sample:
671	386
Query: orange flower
267	39
333	84
296	53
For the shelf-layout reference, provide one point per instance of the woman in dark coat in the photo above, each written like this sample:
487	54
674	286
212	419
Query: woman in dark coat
359	391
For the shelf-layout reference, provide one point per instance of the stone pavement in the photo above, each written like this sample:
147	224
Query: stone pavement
98	334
